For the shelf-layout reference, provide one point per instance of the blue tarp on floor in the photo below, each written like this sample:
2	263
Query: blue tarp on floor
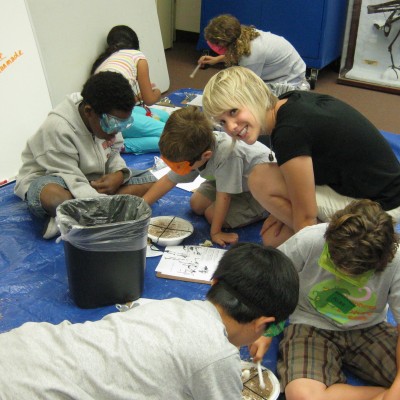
34	285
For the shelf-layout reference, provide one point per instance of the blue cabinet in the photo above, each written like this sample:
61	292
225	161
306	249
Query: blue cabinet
314	27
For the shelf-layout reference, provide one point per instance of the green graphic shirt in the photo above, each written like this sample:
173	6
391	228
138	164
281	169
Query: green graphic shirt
332	300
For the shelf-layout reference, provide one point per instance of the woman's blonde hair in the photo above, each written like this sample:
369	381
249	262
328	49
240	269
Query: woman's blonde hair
226	30
235	88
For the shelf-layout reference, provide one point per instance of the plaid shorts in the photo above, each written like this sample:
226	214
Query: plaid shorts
243	209
320	354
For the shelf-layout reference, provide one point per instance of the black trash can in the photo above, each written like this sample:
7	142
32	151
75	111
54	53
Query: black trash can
105	240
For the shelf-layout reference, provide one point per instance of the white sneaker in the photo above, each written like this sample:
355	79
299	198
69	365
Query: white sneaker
304	85
280	88
50	229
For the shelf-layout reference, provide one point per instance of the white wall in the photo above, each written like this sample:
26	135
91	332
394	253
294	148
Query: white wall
166	16
24	97
71	34
188	15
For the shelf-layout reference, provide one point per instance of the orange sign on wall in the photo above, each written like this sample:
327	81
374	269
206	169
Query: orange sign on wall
6	62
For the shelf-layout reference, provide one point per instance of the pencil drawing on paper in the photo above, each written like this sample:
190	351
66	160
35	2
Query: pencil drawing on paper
191	262
188	260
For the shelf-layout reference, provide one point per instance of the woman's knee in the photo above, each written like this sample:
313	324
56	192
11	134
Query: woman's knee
273	238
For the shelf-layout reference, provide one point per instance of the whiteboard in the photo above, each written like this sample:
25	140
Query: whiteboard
72	33
24	96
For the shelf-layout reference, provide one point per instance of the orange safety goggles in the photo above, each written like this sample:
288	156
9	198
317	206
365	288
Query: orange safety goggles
184	167
180	167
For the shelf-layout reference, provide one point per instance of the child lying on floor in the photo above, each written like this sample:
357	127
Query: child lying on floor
167	349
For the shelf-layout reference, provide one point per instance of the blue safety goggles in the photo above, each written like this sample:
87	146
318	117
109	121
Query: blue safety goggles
110	124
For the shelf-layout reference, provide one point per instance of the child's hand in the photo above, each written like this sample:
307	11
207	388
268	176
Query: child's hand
208	60
258	348
108	184
224	238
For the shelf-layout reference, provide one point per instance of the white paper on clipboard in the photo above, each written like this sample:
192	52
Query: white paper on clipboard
197	101
189	263
190	186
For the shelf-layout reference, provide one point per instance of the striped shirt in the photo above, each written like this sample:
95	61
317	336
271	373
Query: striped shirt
125	62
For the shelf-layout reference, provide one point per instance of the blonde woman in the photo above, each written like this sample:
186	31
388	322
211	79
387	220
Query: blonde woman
270	56
327	153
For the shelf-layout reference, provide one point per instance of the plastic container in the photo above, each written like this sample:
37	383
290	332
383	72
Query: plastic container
251	383
169	230
105	240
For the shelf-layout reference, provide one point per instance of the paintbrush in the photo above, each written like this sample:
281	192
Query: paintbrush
195	71
260	376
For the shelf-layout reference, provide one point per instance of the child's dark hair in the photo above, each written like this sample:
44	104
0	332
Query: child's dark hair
253	281
186	135
120	37
361	237
107	91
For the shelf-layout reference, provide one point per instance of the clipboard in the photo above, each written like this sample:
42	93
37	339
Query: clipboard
189	263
